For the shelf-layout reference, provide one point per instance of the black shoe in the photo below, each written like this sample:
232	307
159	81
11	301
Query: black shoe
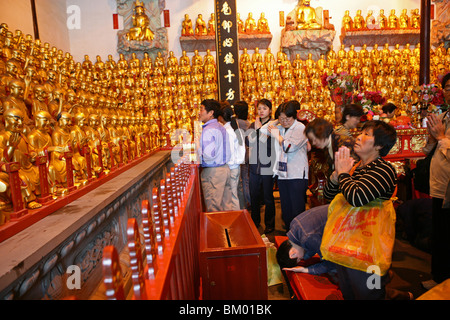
268	230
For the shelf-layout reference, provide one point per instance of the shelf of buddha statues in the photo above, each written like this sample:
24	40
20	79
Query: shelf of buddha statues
379	36
203	43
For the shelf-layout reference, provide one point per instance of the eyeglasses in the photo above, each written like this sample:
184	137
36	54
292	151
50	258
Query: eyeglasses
285	119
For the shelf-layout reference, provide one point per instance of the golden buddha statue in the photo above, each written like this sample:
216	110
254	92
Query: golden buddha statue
306	16
87	63
351	53
172	62
79	141
309	62
12	72
415	18
38	102
250	24
184	59
58	104
269	57
404	20
240	23
15	99
41	141
16	149
385	52
358	21
30	79
147	64
212	25
244	58
186	26
155	135
94	140
277	82
200	26
122	63
140	30
116	136
282	58
396	52
160	64
342	53
51	83
392	20
263	24
108	146
110	63
347	21
363	53
382	20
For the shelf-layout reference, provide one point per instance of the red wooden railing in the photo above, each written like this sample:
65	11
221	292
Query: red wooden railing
166	265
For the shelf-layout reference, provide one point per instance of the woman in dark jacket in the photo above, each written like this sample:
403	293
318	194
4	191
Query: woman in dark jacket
261	161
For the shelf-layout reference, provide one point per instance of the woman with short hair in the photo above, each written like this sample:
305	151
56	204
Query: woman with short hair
373	179
292	165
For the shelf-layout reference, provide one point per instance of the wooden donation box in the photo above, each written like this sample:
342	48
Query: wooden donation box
233	263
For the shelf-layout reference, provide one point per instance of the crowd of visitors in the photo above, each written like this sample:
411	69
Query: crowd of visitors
242	164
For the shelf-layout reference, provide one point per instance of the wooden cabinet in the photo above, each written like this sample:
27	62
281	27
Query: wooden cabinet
233	263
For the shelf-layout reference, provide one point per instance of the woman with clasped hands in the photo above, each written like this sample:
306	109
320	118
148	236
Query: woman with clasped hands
291	166
373	178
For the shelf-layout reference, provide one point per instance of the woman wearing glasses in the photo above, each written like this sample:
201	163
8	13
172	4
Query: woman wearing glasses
292	165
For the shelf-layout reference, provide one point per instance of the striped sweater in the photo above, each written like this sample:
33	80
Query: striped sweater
377	180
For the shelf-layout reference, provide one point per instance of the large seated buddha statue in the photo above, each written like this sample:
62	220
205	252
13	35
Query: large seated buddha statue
140	30
306	16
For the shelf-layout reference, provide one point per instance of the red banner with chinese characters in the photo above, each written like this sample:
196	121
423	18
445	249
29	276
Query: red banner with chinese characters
227	50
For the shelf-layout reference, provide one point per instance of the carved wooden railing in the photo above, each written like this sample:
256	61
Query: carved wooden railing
165	266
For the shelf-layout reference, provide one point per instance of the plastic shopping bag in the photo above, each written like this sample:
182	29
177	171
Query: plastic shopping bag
274	275
360	237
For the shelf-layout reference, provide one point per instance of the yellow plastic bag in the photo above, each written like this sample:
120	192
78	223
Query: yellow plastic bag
359	237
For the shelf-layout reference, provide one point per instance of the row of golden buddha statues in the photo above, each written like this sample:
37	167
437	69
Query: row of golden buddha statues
358	22
250	26
393	72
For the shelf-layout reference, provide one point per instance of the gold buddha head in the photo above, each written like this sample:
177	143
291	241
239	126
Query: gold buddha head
12	67
80	119
306	2
42	120
39	92
58	94
65	119
13	120
93	120
71	96
113	120
16	87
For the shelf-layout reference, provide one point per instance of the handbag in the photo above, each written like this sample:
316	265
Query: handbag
359	237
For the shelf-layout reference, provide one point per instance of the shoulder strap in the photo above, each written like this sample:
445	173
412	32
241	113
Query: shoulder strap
354	168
